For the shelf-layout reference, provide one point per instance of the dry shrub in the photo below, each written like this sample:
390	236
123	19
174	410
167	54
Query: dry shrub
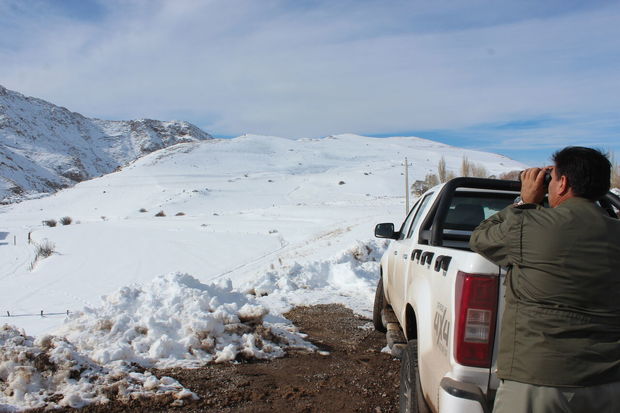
45	249
42	250
66	220
180	214
50	222
143	210
160	214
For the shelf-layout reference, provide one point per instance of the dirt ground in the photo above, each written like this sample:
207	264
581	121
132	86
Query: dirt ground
354	377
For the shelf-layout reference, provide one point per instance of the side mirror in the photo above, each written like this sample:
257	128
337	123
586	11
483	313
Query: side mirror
385	230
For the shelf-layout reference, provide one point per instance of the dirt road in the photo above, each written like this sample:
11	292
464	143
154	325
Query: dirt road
354	377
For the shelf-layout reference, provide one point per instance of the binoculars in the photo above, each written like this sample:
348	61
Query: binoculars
547	177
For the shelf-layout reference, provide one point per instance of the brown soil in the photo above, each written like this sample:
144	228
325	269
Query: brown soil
354	377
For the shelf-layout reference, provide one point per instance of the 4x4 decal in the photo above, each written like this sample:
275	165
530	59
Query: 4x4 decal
441	328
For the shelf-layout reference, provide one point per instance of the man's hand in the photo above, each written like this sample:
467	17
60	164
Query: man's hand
533	185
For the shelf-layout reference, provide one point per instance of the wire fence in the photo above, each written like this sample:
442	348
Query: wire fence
8	314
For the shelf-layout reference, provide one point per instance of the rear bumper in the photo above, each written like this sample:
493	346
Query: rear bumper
456	396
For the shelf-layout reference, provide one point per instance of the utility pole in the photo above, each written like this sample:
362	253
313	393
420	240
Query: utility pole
406	186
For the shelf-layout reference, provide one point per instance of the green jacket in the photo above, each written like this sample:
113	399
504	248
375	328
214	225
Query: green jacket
561	322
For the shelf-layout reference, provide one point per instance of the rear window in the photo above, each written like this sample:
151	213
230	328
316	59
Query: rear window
468	209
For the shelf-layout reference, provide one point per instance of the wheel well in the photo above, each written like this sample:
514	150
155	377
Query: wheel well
411	323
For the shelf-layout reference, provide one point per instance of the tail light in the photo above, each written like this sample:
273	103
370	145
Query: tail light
476	312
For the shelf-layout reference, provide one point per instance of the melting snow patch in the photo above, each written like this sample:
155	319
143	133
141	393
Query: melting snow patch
175	321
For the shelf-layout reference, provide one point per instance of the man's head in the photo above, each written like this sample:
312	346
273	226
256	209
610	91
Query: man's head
579	171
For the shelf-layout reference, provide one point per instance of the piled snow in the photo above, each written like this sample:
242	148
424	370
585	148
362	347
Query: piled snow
349	277
51	372
174	321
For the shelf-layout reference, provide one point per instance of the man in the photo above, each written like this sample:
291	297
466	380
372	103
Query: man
559	348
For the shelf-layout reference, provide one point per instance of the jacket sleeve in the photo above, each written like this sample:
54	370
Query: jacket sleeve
498	238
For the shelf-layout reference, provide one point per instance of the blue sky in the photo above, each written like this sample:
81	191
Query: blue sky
521	78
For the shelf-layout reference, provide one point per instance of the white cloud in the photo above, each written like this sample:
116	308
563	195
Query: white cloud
322	67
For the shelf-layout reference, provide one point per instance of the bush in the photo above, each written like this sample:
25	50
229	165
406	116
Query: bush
180	214
50	222
341	183
143	210
66	220
160	214
43	250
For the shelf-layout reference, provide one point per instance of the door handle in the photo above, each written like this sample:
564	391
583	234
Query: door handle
426	257
415	254
442	262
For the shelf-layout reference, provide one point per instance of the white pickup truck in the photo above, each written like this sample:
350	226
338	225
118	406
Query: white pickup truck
446	300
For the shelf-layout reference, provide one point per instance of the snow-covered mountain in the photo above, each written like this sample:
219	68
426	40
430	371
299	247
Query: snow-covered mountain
44	147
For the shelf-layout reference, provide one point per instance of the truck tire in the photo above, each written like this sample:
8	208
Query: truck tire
378	307
411	396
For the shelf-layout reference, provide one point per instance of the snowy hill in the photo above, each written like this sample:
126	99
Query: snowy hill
242	204
191	254
44	147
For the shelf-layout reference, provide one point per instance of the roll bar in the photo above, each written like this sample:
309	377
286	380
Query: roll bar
435	220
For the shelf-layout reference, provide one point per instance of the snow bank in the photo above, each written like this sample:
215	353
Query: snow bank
172	321
176	321
50	371
350	278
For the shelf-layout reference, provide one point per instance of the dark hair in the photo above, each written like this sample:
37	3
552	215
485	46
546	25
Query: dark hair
587	171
